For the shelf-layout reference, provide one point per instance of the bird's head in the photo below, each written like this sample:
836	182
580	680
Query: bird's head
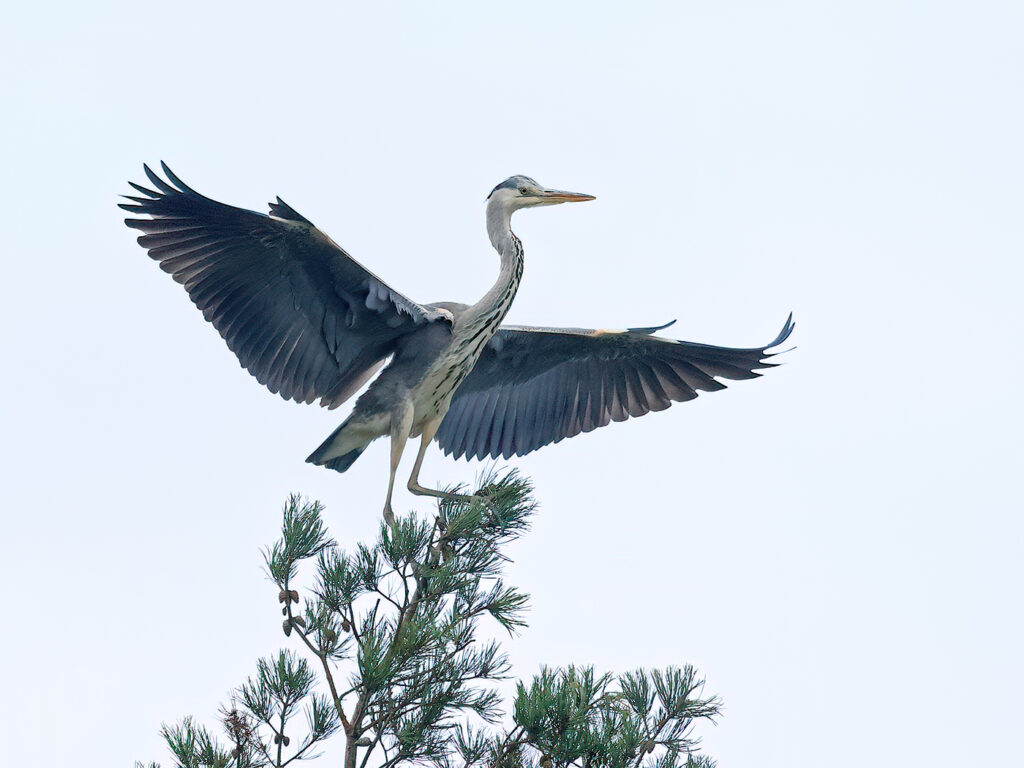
517	192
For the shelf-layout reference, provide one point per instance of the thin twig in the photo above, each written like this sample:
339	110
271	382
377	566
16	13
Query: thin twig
323	661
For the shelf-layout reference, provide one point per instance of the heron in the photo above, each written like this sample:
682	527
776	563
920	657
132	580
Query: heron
311	323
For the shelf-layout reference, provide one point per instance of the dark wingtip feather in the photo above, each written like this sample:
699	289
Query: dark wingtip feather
159	183
784	334
165	192
181	185
143	190
647	331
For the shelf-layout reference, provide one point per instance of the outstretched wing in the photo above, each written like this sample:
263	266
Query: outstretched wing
302	316
534	386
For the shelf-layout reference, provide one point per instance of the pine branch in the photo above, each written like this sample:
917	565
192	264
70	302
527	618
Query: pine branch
399	618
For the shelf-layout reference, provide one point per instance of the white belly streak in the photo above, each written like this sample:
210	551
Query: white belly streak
433	394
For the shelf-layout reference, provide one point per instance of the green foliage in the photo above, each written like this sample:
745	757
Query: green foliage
391	632
573	717
302	536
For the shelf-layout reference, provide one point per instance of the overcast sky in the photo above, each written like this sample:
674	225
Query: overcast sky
837	546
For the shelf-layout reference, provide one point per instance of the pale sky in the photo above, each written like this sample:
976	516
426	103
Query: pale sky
837	546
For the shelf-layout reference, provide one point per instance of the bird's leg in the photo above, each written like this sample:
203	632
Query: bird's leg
429	430
401	424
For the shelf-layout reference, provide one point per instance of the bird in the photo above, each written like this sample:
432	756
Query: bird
311	324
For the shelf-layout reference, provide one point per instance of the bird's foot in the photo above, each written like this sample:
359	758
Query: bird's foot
418	490
474	498
389	516
480	496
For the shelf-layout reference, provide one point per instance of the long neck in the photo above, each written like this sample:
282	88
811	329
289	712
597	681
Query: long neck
496	302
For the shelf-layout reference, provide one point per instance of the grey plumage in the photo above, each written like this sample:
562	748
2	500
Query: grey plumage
300	314
311	323
555	383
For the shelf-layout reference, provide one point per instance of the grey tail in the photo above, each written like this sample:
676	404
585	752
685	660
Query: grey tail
345	461
340	463
331	452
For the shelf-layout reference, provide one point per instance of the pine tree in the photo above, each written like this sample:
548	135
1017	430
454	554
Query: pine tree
390	633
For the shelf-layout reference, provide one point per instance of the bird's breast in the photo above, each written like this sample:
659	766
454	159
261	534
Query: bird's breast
454	365
460	356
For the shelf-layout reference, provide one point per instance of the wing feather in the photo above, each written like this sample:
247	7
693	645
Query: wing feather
535	386
301	315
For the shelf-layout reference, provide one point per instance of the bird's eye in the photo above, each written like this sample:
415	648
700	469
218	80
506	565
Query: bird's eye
523	191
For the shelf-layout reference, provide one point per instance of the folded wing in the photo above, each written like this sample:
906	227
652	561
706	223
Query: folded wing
301	315
534	386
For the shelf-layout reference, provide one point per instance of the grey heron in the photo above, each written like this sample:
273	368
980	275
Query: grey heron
311	323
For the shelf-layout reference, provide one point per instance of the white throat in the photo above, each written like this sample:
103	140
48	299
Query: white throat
499	220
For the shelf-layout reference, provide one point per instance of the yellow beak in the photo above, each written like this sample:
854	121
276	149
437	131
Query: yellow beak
560	196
